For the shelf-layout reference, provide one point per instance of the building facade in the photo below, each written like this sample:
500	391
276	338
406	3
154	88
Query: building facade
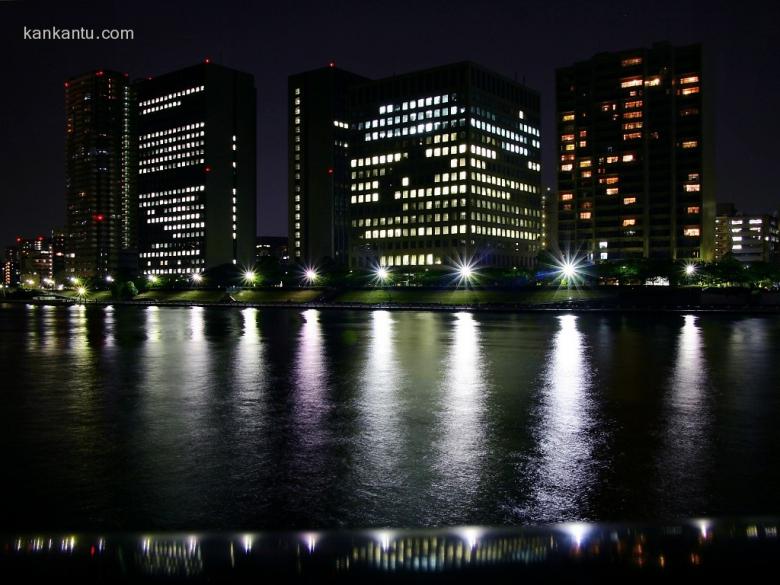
747	238
98	110
196	178
444	169
318	144
636	178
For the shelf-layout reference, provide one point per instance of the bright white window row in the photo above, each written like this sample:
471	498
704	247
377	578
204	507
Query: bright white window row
410	260
173	144
189	153
414	130
181	137
169	192
168	166
170	96
416	103
380	159
165	106
414	232
429	192
170	131
170	253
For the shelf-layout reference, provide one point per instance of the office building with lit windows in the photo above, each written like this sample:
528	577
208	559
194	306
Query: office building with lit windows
747	238
444	168
196	178
318	175
635	163
98	110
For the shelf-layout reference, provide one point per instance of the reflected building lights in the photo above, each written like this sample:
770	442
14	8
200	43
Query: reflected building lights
464	388
566	448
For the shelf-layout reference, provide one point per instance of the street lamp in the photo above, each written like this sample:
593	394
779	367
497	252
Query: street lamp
250	276
382	274
690	269
197	278
310	274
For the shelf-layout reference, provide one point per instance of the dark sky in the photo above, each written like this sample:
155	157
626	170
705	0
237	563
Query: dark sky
375	38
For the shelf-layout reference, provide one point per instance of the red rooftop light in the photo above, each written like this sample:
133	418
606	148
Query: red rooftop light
330	171
18	239
207	60
98	217
331	64
207	169
67	84
99	73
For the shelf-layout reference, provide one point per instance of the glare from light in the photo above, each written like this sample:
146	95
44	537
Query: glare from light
81	291
250	276
382	273
109	278
197	278
466	271
578	531
310	274
310	540
690	269
569	269
384	537
152	279
471	536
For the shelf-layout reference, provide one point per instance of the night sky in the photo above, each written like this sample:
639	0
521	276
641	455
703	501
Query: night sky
272	40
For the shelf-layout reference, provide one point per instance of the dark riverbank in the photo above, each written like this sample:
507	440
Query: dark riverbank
634	299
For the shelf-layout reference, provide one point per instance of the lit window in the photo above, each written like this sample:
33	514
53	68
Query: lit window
692	188
690	90
567	196
692	231
689	79
612	191
585	215
630	82
568	117
631	61
690	144
694	209
629	200
629	222
628	158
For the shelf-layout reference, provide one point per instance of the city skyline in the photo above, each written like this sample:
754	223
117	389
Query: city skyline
503	40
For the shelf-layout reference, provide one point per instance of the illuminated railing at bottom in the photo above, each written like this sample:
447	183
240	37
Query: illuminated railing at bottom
693	549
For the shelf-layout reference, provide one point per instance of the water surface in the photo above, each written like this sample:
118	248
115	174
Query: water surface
149	418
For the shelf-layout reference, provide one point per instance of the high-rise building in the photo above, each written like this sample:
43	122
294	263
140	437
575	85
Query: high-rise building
12	265
196	170
747	238
635	169
98	176
318	145
444	168
58	250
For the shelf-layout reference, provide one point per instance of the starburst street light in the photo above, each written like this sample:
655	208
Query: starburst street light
690	269
310	275
250	277
569	270
152	279
382	274
465	271
197	278
81	291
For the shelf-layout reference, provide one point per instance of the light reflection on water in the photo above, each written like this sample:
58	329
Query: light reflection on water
150	417
464	390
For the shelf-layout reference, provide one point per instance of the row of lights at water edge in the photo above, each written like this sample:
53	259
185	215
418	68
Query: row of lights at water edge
570	270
